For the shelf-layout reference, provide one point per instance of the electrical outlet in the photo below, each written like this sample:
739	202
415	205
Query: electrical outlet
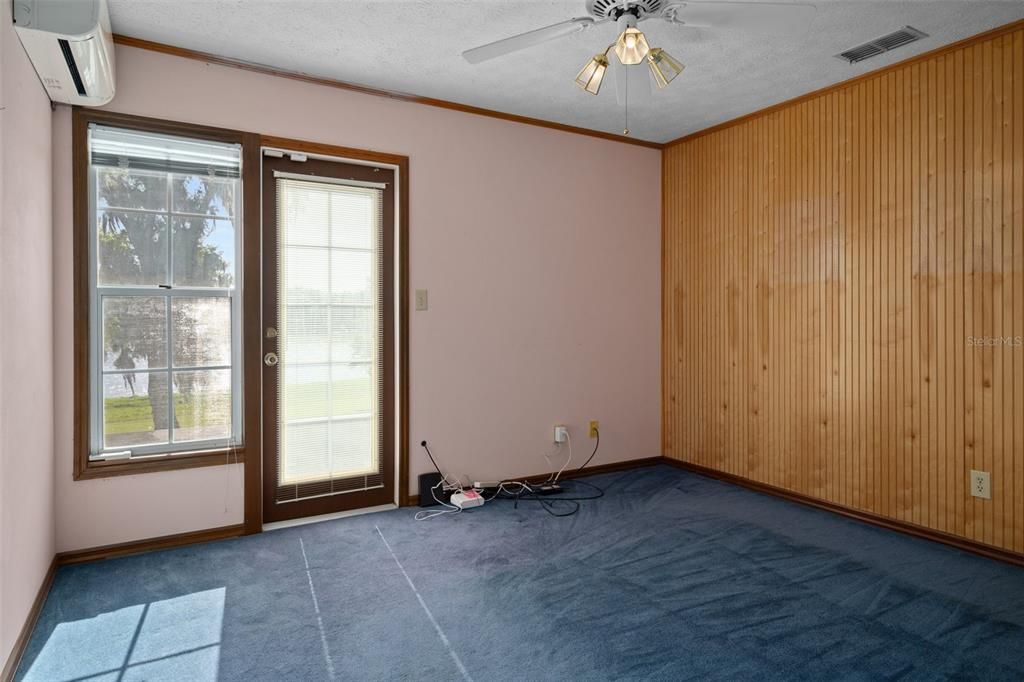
421	299
593	429
561	433
981	484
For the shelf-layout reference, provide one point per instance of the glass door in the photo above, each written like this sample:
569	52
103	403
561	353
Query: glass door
328	341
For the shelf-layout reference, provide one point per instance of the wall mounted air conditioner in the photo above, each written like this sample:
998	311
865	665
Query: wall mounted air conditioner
71	48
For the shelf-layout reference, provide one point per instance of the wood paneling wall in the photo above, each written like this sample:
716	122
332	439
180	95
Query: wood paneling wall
829	269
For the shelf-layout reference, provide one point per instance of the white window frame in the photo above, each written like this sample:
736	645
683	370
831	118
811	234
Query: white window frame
97	451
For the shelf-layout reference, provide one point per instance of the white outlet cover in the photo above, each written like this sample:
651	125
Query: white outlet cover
561	434
981	484
421	299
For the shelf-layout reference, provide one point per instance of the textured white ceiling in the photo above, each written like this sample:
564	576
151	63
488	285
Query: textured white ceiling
414	46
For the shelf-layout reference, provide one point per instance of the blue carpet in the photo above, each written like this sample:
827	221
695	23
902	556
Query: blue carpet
669	576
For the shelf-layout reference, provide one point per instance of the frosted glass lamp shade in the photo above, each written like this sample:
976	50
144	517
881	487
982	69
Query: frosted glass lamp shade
631	47
664	67
590	76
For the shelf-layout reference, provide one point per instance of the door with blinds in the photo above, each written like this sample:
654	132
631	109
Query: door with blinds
328	337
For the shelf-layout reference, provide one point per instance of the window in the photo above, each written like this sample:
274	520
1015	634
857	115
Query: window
164	308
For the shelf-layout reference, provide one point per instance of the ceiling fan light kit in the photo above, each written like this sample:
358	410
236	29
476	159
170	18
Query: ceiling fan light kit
631	47
590	76
664	67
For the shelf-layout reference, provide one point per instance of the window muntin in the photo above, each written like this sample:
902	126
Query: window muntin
330	317
165	307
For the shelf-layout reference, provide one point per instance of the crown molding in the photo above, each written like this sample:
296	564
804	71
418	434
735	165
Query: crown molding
209	58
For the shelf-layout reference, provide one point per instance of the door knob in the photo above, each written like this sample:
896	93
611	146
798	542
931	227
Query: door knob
270	359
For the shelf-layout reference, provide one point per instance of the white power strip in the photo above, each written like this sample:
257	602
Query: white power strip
483	485
467	499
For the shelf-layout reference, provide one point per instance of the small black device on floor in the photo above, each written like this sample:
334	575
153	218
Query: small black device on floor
546	489
431	487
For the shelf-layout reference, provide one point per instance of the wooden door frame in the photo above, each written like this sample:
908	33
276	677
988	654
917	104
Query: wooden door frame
356	491
254	160
252	364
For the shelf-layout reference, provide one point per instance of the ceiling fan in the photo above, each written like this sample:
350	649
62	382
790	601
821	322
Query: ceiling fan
631	48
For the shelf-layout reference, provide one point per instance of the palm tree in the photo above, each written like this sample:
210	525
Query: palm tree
132	249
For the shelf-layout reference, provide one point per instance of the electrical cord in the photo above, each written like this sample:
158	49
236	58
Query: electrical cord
583	466
596	446
568	438
231	457
549	455
446	484
444	477
547	502
523	490
423	515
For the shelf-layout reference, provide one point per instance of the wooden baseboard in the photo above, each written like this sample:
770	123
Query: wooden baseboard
139	546
414	500
20	644
956	541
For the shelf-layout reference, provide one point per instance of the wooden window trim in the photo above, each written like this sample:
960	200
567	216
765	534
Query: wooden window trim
250	453
84	467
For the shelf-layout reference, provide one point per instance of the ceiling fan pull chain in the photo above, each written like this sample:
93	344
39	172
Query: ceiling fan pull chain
625	130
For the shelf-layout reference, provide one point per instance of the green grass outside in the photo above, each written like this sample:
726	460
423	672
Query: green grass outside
133	414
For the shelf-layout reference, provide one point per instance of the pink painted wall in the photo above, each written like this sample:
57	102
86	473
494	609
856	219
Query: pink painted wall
540	250
26	336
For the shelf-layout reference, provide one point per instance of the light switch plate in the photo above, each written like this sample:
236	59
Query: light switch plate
421	299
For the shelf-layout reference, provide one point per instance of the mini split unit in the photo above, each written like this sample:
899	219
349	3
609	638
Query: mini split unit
71	48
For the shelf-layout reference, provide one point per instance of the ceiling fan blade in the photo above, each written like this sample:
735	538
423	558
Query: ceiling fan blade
525	40
769	17
635	78
619	76
639	78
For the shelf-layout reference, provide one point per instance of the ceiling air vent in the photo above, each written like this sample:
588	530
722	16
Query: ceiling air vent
873	48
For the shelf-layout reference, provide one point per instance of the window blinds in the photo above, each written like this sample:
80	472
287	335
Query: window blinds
330	388
165	308
124	148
